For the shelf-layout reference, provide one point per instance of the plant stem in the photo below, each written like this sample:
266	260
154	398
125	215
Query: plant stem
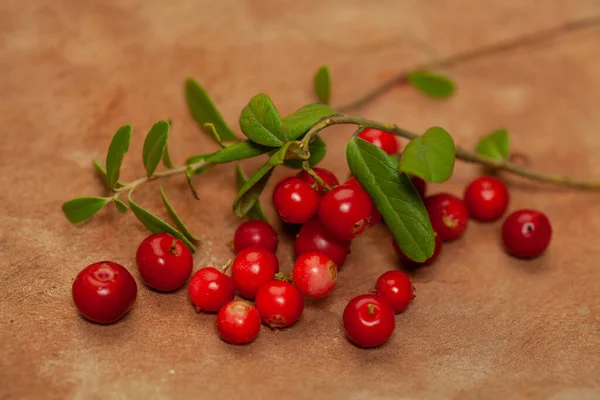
316	177
173	171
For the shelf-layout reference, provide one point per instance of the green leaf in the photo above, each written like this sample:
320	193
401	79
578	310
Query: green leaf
204	111
198	158
322	84
154	146
261	123
236	152
116	152
176	218
430	156
496	145
102	172
317	149
395	198
299	122
167	161
432	85
212	131
188	174
256	212
121	207
82	208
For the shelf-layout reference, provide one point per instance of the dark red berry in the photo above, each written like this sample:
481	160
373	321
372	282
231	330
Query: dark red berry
346	211
210	289
165	262
448	215
295	200
526	233
327	176
396	288
411	263
420	185
315	274
486	198
252	268
255	233
104	292
384	140
314	237
279	304
238	322
368	320
375	217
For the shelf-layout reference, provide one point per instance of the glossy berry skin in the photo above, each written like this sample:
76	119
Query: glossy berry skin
368	320
279	304
165	262
104	292
420	185
396	288
326	175
346	211
486	198
210	289
252	268
375	217
238	322
448	214
526	233
315	275
314	237
384	140
411	263
255	233
295	200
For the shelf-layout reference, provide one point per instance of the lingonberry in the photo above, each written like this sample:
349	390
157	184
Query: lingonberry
526	233
375	217
486	198
255	233
346	211
368	320
326	175
295	200
210	289
420	185
396	288
238	322
448	215
411	263
104	292
315	274
165	262
384	140
314	237
279	304
252	268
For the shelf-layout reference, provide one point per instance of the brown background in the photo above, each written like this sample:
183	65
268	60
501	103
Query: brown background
484	325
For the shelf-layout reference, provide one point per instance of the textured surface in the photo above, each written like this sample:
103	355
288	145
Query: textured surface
483	325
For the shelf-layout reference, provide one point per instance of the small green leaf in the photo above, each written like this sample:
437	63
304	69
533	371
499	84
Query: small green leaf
188	174
202	169
256	212
299	122
204	111
496	145
116	152
154	146
430	156
317	149
261	123
395	197
121	207
212	131
176	218
167	161
433	85
322	84
82	208
236	152
102	172
197	158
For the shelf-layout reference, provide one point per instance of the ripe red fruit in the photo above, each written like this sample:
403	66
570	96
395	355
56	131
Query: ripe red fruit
295	200
411	263
448	215
420	185
327	176
384	140
165	262
238	322
375	217
279	304
210	289
368	320
315	274
252	268
486	198
314	237
104	292
396	288
346	211
526	233
255	233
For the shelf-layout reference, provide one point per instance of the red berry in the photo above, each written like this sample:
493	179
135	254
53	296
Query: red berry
368	320
346	211
411	263
295	200
448	215
238	322
375	217
384	140
252	268
526	233
165	262
396	288
315	274
486	198
420	185
314	237
210	289
255	233
327	176
279	304
104	292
